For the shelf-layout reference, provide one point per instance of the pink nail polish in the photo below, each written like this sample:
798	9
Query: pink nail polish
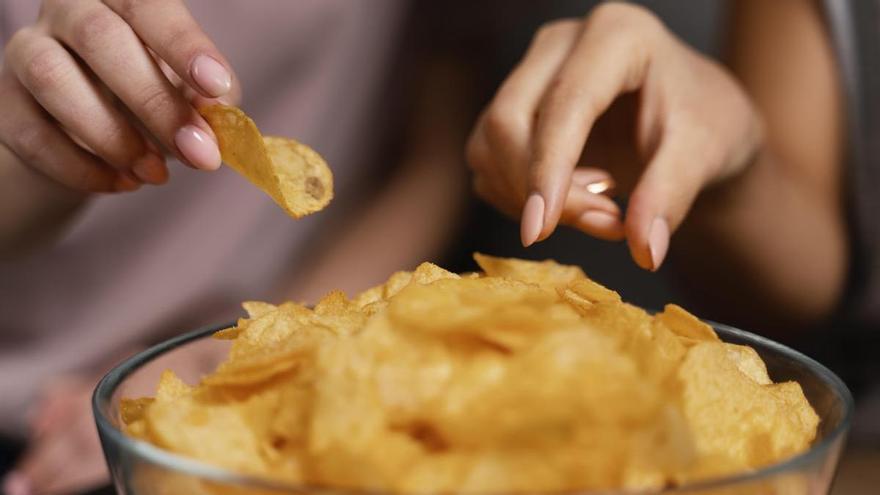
532	219
211	76
150	169
658	242
197	148
16	483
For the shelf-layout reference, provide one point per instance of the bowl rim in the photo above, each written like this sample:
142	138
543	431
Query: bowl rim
108	384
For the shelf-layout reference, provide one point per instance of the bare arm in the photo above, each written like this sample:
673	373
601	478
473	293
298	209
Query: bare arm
772	242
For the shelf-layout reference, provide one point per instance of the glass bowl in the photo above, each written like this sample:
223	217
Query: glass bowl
139	468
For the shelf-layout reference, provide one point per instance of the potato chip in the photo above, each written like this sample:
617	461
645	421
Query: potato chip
291	173
529	377
686	325
547	273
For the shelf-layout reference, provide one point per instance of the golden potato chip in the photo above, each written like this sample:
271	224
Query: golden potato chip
734	418
291	173
686	325
749	363
547	273
528	378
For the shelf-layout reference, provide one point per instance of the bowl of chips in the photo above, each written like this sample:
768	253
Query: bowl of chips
525	377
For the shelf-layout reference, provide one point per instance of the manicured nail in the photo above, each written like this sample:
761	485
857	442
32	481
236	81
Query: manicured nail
658	242
532	219
16	483
197	147
211	76
124	183
151	169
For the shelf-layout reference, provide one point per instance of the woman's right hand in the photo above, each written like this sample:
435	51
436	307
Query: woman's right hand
671	123
94	91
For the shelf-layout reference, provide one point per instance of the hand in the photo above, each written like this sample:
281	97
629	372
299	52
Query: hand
63	454
94	89
663	120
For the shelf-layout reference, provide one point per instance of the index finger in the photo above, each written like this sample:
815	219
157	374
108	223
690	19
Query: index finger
611	58
169	30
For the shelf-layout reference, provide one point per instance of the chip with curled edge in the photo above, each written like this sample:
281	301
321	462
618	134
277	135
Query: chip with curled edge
291	173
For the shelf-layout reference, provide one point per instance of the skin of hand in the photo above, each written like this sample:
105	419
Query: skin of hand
63	453
617	90
95	92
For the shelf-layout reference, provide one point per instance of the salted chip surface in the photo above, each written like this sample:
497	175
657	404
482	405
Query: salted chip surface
526	378
291	173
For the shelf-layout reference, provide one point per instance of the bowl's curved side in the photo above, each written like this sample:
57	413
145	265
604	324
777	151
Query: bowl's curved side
822	455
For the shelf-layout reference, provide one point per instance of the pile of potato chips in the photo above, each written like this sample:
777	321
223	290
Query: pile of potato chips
526	377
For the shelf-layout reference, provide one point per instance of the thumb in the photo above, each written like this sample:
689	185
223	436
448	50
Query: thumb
662	198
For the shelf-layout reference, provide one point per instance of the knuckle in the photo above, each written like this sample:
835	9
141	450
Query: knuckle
556	30
503	126
562	94
44	70
476	155
130	9
156	100
625	22
96	30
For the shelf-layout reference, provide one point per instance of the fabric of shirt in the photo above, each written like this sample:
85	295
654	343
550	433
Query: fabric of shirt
163	260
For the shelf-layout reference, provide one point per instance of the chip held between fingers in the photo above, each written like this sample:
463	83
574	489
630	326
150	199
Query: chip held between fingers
292	174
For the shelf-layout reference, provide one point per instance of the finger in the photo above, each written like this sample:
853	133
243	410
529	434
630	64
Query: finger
593	214
507	122
600	224
609	59
64	90
168	28
43	460
484	190
38	141
493	185
580	200
663	196
119	59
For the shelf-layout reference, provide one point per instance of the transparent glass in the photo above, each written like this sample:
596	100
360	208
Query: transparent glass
139	468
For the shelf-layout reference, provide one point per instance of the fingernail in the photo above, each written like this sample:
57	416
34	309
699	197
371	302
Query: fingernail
658	242
211	76
532	219
150	169
16	483
124	183
197	147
